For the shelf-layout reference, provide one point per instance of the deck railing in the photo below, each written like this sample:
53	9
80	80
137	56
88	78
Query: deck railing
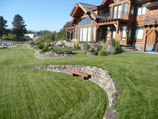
151	20
116	15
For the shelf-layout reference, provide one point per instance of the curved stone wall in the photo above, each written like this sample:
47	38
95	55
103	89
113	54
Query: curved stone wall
99	76
51	55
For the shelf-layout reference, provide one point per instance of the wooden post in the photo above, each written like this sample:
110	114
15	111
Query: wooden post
96	33
73	34
117	27
78	33
91	33
127	32
70	35
110	33
145	40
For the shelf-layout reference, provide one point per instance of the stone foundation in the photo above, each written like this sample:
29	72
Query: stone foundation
139	46
99	76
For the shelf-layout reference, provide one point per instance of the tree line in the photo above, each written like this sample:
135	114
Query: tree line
18	31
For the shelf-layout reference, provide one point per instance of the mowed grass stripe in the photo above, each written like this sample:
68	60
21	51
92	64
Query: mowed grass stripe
37	94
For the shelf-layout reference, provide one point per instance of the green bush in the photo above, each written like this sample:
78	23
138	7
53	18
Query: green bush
9	37
68	51
58	50
92	49
45	49
95	53
40	46
103	53
118	48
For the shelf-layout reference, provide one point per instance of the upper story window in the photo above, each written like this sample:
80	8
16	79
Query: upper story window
85	21
125	8
141	10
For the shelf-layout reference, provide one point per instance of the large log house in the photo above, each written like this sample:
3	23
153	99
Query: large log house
135	20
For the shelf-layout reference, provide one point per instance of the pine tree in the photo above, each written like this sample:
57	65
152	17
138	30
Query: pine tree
19	27
3	26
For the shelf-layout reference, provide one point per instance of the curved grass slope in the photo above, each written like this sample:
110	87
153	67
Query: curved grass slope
35	94
137	74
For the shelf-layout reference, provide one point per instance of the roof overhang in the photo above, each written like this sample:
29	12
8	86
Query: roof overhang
79	10
153	5
106	1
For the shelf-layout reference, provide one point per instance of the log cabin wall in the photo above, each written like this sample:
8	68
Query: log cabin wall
135	22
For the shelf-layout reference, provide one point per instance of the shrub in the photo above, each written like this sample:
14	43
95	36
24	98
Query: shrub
103	53
8	37
59	51
68	51
45	49
118	48
40	46
92	49
95	53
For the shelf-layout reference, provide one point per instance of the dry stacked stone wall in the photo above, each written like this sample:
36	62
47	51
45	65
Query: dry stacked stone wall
99	76
51	55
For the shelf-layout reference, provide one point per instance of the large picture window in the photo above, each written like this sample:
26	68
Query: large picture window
141	10
94	33
85	33
139	33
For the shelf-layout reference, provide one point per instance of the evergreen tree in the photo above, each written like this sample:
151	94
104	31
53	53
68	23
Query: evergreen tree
62	32
19	27
3	26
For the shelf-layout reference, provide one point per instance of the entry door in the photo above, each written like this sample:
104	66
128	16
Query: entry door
117	12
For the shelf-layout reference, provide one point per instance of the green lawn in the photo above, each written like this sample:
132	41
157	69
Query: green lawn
35	94
28	93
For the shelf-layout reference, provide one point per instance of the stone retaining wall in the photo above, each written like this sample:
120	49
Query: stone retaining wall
51	55
99	76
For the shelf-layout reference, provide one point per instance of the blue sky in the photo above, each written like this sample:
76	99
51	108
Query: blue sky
41	14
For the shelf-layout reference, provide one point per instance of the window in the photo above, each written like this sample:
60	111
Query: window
139	33
86	20
132	10
125	8
113	33
94	30
141	10
108	33
130	32
124	28
117	11
85	33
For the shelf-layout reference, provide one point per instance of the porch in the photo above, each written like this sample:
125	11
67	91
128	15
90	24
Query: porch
70	32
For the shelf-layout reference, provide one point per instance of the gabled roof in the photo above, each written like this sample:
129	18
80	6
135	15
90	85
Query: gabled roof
87	9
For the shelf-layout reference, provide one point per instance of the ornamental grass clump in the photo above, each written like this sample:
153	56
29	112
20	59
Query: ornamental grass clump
76	44
118	48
